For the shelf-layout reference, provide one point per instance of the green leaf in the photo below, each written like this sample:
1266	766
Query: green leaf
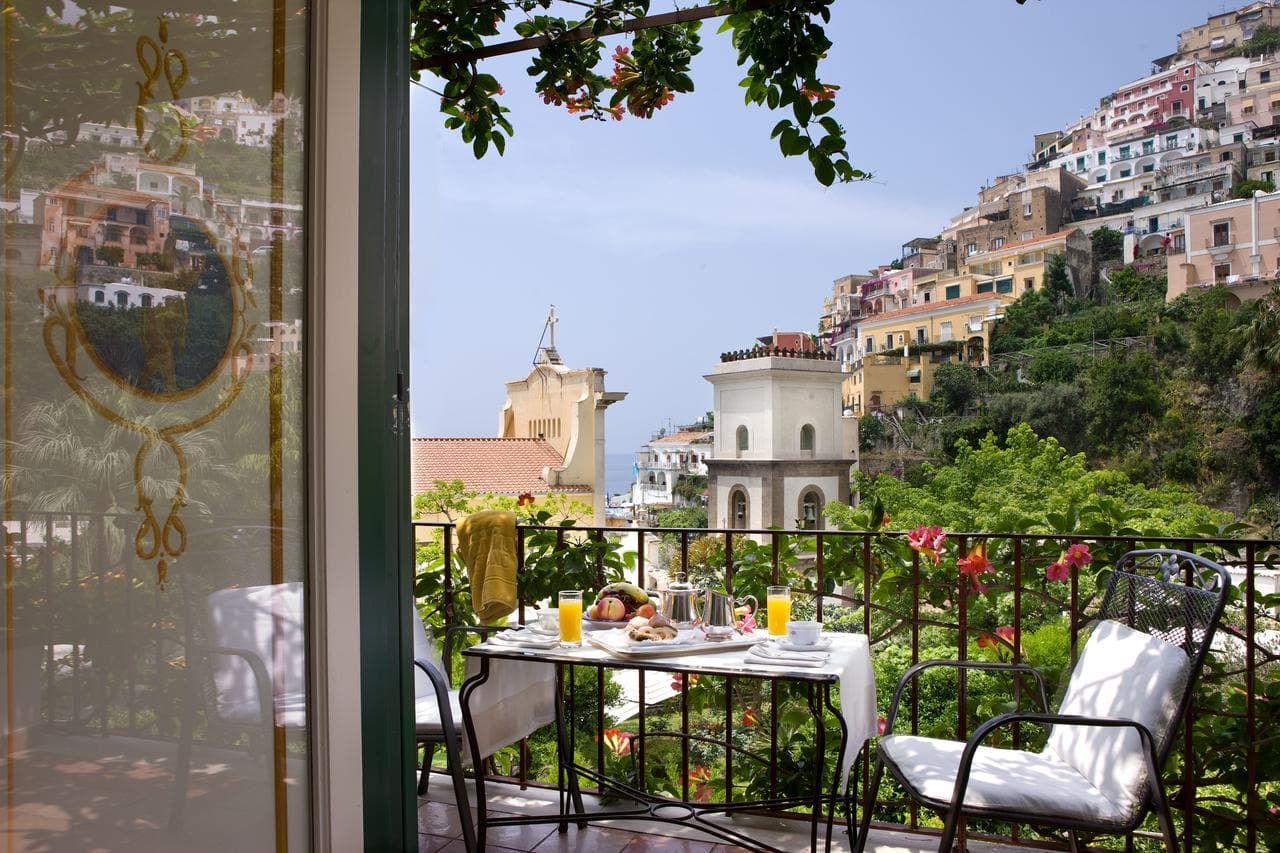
832	126
823	107
780	127
771	98
480	146
499	142
802	108
792	143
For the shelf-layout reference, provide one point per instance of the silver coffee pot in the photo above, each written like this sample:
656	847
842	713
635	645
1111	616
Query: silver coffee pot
680	602
720	619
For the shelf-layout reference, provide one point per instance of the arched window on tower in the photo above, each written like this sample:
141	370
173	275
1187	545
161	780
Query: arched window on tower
738	509
806	438
810	516
744	440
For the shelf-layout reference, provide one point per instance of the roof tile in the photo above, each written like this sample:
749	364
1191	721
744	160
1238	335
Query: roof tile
505	466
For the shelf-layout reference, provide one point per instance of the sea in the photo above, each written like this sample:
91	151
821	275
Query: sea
618	473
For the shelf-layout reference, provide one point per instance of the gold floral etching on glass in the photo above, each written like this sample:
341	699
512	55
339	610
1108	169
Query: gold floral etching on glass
161	328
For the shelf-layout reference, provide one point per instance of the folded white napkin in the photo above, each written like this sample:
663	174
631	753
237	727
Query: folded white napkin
525	639
758	656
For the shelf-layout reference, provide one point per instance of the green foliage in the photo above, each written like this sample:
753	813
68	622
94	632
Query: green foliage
1023	319
1057	281
1266	39
871	433
690	487
955	386
1021	485
685	516
1246	189
1128	285
113	255
1108	244
1264	432
1054	411
1052	366
1123	398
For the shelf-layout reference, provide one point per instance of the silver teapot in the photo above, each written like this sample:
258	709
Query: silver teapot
680	602
720	619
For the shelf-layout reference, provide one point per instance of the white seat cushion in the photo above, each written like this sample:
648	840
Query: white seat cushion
427	712
1001	779
1121	674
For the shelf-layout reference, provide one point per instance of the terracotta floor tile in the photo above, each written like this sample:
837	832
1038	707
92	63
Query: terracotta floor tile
667	844
593	839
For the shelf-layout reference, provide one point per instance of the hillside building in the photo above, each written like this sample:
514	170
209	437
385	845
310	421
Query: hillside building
1235	244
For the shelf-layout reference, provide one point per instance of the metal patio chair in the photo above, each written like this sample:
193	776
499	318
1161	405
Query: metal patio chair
1100	770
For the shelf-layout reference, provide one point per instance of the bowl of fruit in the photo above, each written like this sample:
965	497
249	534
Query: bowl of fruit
617	604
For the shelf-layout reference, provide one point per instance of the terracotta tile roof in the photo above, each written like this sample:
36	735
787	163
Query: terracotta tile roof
505	466
683	437
927	306
1022	244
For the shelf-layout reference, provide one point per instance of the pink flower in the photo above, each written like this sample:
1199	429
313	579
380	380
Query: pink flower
677	681
1058	572
1006	633
1077	555
881	725
747	624
928	541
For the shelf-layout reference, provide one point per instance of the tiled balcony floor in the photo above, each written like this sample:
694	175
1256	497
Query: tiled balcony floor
439	830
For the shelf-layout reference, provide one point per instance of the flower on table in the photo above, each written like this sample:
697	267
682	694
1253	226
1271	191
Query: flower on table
746	624
1058	572
928	541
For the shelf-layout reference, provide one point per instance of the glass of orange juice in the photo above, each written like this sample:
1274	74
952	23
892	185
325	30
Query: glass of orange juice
778	602
571	618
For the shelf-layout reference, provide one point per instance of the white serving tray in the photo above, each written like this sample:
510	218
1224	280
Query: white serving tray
615	642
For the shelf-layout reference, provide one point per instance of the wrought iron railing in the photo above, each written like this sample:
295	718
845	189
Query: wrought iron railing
845	576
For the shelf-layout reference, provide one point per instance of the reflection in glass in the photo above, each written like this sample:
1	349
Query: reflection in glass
154	656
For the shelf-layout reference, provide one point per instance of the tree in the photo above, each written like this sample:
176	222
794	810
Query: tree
686	516
1057	281
779	44
1053	366
1260	337
1246	189
1108	244
1022	320
955	386
1122	398
1127	285
1266	39
113	255
871	432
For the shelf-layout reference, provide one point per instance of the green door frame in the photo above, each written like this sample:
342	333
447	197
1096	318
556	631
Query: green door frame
386	558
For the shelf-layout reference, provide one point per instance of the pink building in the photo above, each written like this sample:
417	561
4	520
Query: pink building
1235	244
1154	100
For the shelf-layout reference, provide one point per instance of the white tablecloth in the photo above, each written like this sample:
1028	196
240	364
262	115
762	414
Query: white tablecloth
849	659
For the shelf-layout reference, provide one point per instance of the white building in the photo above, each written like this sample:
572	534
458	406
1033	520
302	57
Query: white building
120	294
783	449
664	462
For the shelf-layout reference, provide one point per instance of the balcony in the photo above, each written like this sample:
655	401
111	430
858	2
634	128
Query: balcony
871	582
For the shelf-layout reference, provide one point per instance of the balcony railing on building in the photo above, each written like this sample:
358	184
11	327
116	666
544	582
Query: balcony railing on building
870	582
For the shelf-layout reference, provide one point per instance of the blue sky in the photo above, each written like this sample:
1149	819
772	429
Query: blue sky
663	243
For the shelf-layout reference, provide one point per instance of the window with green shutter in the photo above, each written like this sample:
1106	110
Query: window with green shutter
1004	285
985	286
953	291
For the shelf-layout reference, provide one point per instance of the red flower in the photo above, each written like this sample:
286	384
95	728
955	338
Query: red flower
973	566
881	725
677	681
884	521
750	717
525	499
618	742
1058	572
1006	633
1077	555
928	541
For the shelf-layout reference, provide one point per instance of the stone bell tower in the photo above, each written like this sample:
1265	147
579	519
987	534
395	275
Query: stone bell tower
783	447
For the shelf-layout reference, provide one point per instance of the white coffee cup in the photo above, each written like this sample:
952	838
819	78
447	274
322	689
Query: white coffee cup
549	619
802	633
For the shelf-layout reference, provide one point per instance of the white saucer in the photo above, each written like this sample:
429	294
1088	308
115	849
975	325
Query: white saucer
786	645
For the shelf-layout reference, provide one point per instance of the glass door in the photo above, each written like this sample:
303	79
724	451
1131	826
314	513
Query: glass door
153	654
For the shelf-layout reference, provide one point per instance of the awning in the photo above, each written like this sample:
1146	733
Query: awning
913	373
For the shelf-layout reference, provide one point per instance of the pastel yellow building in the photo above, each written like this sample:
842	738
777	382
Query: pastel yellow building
950	317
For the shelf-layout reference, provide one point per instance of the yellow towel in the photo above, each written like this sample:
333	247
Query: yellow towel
487	544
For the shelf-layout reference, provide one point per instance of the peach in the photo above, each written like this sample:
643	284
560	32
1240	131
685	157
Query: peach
646	610
611	609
